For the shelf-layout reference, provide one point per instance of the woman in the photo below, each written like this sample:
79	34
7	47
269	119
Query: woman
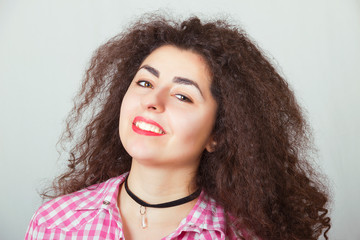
192	135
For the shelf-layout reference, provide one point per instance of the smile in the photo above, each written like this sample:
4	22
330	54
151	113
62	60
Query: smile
147	127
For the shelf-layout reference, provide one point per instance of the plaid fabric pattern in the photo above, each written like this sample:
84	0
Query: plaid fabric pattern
93	213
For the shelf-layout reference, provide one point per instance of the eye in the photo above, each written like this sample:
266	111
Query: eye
144	84
183	98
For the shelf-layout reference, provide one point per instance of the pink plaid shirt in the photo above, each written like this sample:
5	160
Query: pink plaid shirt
93	213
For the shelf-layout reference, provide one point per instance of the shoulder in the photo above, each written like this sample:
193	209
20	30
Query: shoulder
70	210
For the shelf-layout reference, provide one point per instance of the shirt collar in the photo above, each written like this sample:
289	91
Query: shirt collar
102	195
206	214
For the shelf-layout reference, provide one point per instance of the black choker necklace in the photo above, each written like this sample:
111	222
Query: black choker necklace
143	204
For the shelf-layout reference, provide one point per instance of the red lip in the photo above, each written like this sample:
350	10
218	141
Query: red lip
143	132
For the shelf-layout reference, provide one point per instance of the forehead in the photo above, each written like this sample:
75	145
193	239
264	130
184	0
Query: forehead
169	59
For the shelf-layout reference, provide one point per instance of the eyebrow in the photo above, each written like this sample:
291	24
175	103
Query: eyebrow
179	80
186	81
152	70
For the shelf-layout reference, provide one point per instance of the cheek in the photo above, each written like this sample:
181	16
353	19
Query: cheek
126	109
129	102
194	128
123	109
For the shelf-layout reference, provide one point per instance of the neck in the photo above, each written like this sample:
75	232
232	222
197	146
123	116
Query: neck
156	185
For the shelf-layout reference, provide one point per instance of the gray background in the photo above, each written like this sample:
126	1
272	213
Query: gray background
45	47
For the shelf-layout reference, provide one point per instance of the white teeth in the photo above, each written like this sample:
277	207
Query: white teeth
148	127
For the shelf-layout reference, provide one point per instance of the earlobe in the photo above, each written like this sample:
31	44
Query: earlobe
211	146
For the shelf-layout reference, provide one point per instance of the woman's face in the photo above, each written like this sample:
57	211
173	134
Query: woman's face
168	113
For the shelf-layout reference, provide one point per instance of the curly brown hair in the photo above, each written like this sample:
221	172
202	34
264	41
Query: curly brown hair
259	172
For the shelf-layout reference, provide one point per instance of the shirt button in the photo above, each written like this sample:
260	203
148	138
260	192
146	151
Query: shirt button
106	202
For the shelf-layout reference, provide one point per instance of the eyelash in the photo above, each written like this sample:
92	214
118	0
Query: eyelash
181	97
142	83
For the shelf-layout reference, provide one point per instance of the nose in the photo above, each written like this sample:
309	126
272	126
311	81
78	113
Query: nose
154	100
